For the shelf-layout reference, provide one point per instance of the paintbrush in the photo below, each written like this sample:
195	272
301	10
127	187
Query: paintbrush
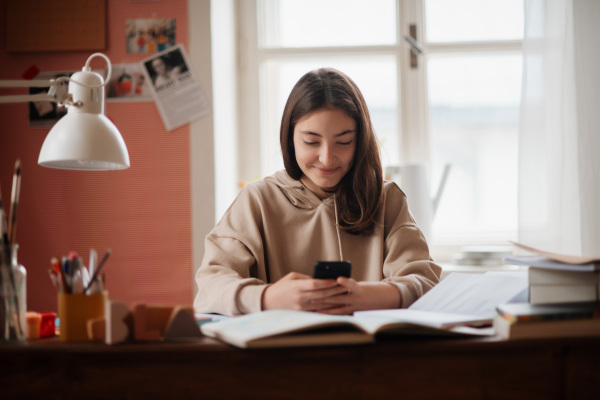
6	254
98	269
14	204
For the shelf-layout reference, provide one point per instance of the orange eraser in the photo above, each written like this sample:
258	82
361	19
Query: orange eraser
34	321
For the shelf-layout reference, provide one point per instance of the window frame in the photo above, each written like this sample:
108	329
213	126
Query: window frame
412	106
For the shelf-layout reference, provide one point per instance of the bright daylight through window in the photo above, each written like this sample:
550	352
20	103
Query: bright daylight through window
458	106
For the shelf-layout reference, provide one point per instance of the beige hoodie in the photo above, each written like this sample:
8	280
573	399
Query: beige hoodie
277	225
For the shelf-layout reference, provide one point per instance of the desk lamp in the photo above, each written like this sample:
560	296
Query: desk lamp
84	139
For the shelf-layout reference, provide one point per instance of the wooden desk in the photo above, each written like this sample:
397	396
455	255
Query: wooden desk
485	368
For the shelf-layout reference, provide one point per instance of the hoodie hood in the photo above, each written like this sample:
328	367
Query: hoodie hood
301	197
296	193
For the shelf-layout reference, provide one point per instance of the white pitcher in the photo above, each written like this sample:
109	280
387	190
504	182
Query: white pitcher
413	179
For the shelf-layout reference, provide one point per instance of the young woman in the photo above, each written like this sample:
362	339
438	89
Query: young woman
330	203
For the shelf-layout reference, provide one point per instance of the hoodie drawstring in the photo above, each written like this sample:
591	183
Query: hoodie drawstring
337	227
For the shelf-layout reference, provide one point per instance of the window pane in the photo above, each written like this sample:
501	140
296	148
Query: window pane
473	20
318	23
379	90
474	116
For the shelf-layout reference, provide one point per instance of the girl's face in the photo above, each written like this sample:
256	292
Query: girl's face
324	143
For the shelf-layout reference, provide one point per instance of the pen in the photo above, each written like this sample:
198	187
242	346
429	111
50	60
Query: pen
55	265
65	275
59	274
54	279
93	259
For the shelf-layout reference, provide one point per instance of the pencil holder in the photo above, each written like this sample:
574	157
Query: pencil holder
74	311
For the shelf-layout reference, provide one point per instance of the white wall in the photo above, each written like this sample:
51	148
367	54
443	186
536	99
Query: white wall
202	130
224	61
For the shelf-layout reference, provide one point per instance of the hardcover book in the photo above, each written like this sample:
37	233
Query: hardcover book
548	294
284	328
525	312
456	306
548	263
543	276
546	329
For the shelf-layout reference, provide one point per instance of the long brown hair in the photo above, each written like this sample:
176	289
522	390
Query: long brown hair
360	192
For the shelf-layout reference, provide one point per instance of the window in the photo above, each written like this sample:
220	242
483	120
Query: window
473	77
459	105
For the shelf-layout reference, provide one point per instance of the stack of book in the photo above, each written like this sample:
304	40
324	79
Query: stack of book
562	285
482	256
563	298
555	278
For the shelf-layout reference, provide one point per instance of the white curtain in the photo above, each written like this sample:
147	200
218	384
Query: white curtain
559	170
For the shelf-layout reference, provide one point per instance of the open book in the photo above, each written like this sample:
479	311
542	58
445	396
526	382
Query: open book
549	260
454	307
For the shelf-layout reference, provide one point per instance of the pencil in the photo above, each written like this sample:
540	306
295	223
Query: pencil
14	204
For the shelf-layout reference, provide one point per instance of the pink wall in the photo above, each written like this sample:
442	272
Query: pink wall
143	213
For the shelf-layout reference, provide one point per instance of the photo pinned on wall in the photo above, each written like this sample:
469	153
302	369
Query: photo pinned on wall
149	36
128	84
167	69
178	95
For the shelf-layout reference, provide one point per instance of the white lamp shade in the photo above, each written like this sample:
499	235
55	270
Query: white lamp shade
84	141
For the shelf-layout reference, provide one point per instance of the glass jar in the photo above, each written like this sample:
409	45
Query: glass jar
13	293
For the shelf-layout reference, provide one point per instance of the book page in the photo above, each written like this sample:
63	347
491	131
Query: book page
373	321
270	323
472	294
558	257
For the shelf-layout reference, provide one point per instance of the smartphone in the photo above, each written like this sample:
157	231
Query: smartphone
332	269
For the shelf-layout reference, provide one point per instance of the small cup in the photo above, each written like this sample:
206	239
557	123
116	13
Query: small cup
74	311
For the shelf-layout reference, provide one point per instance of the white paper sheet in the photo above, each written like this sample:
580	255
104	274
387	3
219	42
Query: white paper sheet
473	294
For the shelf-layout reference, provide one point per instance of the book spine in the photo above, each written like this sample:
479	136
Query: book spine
575	328
548	317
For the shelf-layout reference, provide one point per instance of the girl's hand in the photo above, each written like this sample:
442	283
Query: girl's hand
297	291
361	296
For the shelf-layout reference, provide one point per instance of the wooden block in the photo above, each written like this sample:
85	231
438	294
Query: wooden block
182	324
150	322
158	317
96	329
119	322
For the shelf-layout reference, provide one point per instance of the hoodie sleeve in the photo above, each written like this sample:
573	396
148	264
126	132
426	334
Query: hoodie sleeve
230	280
407	263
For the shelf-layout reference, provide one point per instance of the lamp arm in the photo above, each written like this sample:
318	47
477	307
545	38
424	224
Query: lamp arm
58	92
31	83
27	98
